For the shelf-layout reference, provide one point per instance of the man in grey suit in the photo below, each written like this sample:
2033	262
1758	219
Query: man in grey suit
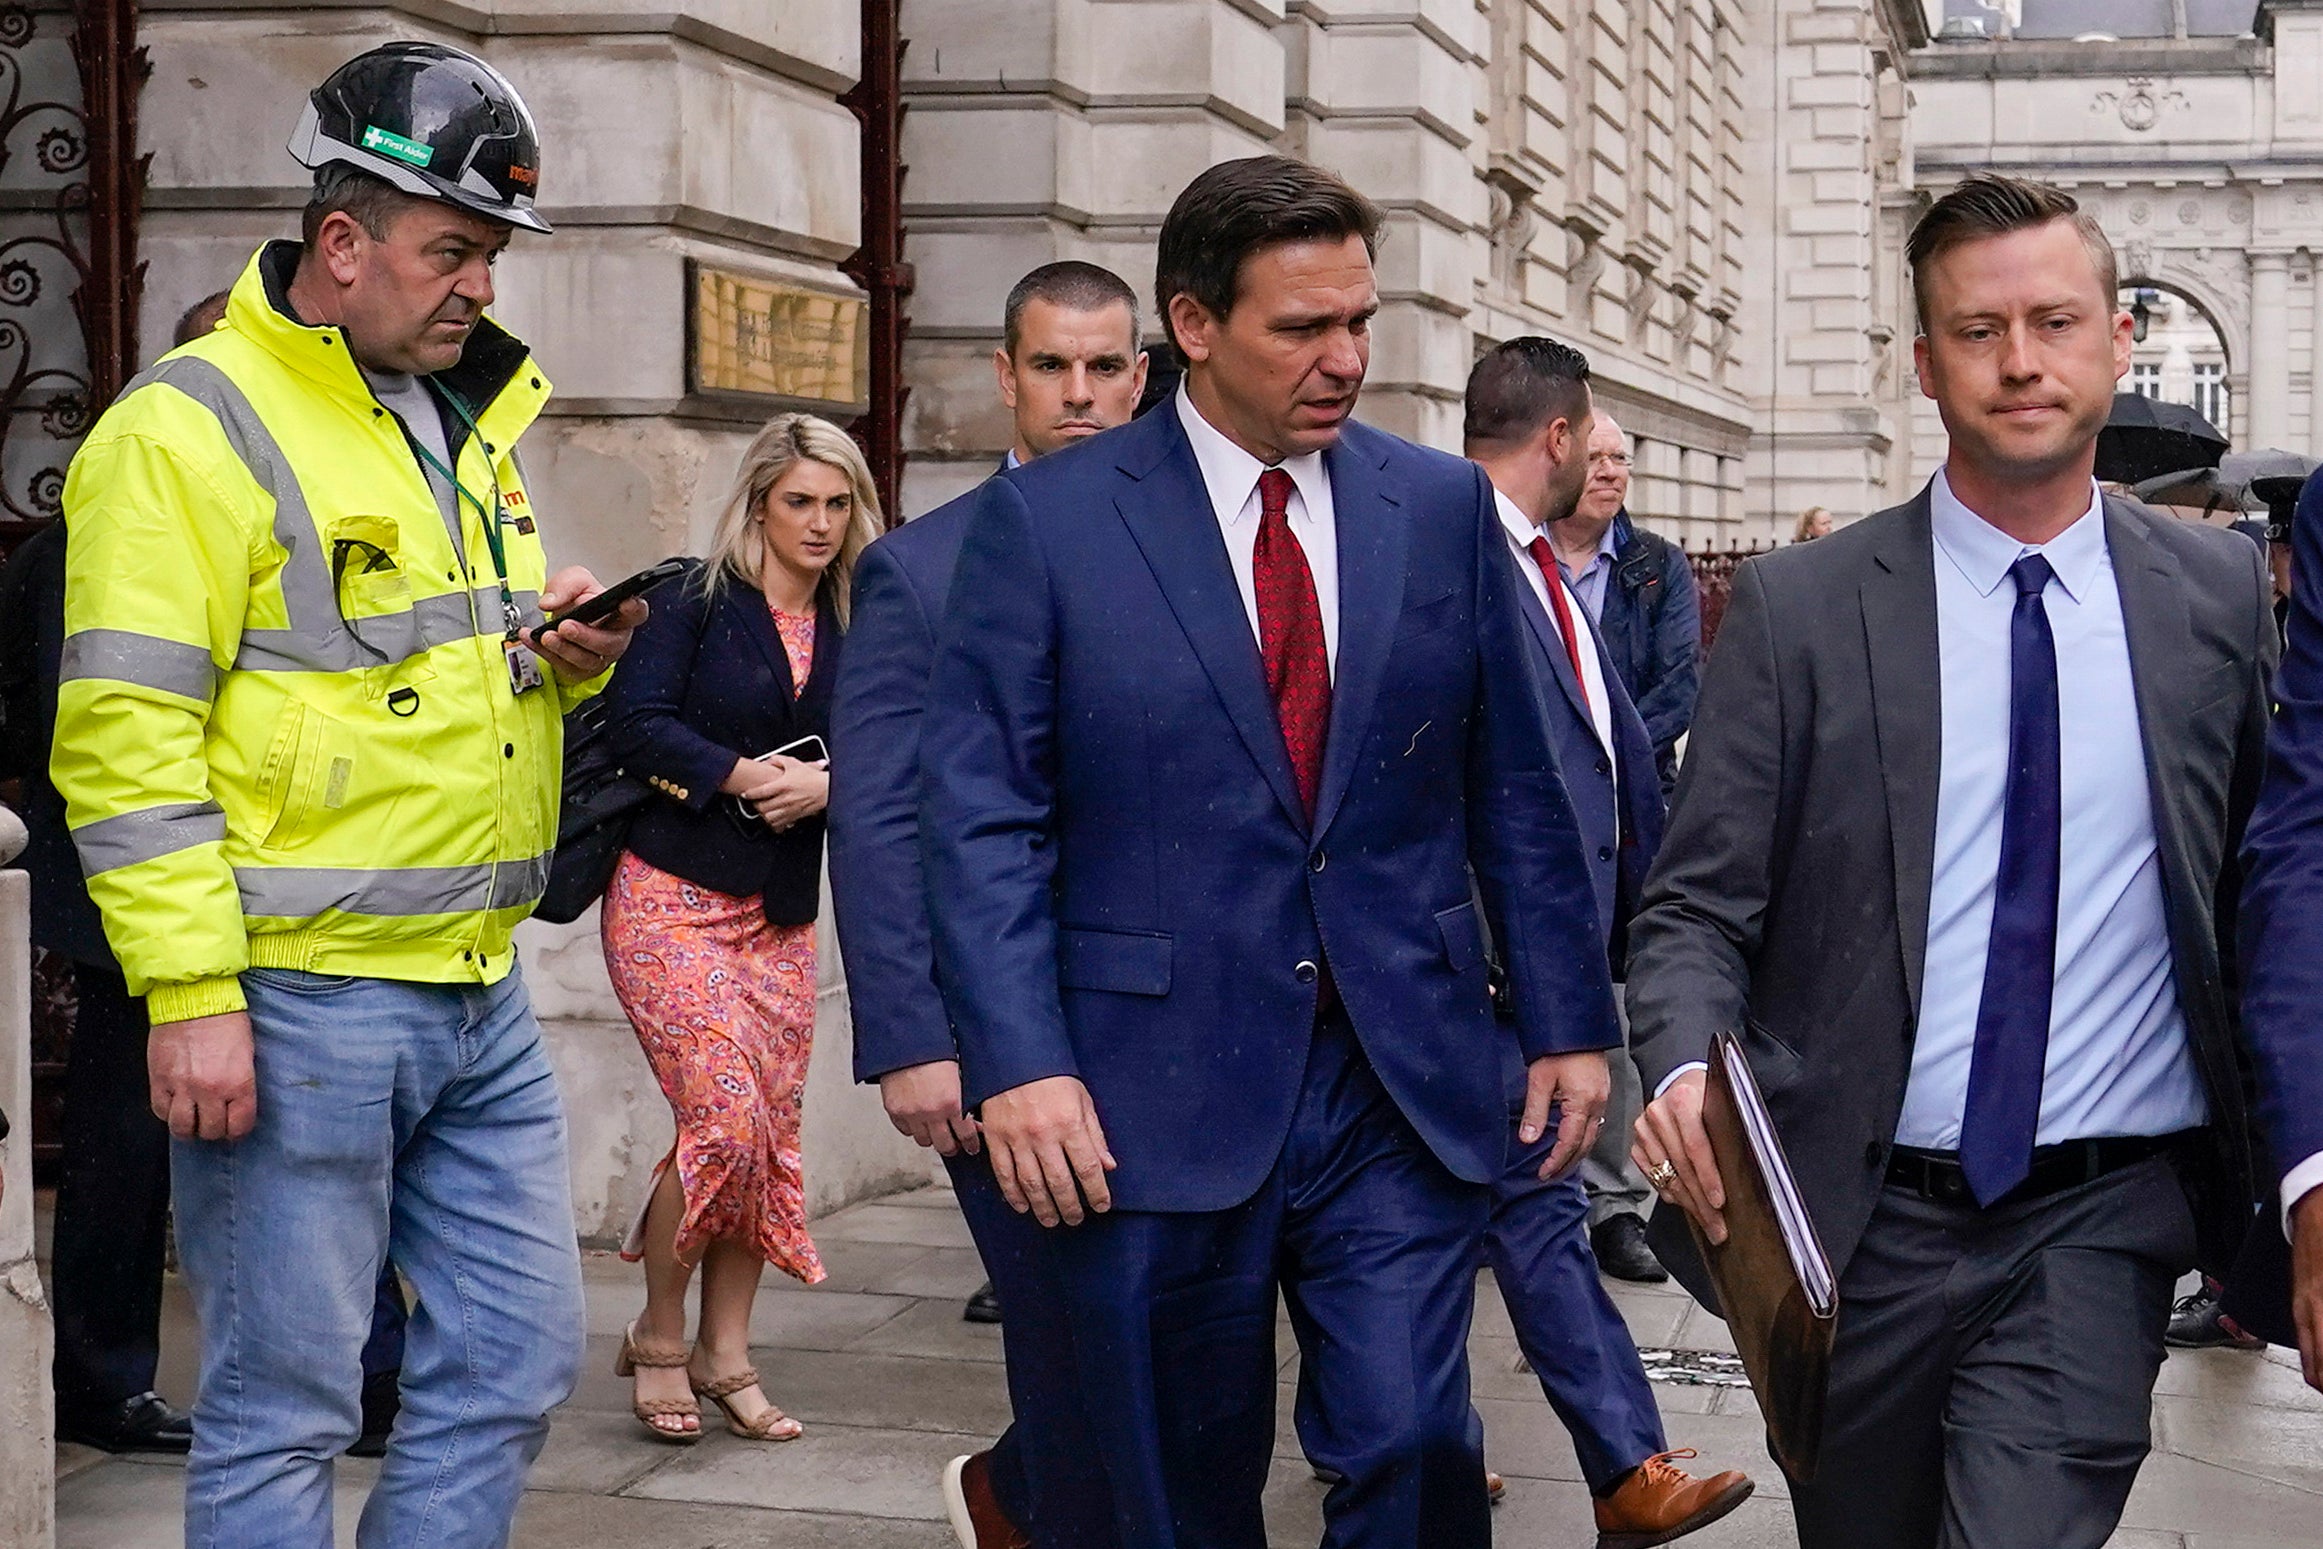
1954	852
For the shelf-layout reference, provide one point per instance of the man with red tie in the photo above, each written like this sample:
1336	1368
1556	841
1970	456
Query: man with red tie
1528	424
1223	717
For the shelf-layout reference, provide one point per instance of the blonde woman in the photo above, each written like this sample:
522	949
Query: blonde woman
1814	522
709	925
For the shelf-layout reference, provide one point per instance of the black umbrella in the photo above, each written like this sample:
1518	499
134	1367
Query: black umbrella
2266	480
2145	437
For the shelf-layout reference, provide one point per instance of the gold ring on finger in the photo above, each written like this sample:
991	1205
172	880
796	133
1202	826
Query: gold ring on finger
1661	1175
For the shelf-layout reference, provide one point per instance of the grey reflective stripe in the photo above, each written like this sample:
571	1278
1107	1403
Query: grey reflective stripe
145	660
302	892
319	639
147	834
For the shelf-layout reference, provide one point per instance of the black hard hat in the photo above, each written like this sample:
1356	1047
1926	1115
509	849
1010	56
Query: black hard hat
434	122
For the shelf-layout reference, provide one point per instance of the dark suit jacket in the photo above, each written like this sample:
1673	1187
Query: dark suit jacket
1617	802
1122	882
1790	899
2282	920
32	617
878	897
705	682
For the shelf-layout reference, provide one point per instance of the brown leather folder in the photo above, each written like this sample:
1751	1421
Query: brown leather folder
1774	1282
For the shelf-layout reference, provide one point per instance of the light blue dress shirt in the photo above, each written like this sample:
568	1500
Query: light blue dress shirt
1590	581
2119	1062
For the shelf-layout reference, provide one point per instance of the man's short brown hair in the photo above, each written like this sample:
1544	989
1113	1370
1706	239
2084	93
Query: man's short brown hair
1237	208
1992	205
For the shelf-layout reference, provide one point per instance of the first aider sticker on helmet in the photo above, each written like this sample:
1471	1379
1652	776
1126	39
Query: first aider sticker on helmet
388	143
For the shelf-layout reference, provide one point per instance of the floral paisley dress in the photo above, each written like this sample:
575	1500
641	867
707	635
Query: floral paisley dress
724	1005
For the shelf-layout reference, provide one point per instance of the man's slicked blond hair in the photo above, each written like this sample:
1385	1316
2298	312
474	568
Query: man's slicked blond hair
1993	205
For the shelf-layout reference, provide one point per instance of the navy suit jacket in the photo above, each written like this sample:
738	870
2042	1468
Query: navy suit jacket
878	899
2281	927
1122	881
706	681
1617	801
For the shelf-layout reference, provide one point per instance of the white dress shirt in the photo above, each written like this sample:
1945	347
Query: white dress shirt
1521	532
2119	1060
1231	476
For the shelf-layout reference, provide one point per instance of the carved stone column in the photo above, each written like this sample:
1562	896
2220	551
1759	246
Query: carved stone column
2269	421
2315	364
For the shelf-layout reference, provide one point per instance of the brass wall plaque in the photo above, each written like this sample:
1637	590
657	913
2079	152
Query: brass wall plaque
769	339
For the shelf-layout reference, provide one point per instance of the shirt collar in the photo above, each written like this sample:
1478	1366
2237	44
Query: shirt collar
1229	473
1011	461
1609	542
1521	530
1984	553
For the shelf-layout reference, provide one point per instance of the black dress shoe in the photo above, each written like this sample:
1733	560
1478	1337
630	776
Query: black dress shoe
2198	1322
1620	1245
145	1423
382	1402
983	1307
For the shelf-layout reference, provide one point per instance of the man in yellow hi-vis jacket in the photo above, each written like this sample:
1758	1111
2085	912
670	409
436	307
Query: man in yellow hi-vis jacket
308	737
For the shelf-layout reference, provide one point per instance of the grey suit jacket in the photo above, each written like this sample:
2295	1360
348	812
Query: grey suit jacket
1790	898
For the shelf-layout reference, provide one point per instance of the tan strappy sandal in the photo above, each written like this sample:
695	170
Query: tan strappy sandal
773	1425
632	1356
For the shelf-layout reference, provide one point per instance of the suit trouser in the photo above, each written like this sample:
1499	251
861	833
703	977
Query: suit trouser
1372	1244
1615	1185
1992	1379
1043	1470
112	1205
1571	1333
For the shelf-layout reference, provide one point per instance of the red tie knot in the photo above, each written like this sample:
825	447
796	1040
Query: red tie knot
1274	495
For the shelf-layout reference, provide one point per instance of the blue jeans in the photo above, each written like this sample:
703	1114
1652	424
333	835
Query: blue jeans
417	1120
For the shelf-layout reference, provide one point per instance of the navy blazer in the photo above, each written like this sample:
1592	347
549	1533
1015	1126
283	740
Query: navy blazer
2281	928
1122	881
878	900
1617	801
705	682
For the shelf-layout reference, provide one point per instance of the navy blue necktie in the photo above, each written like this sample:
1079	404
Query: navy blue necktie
2012	1020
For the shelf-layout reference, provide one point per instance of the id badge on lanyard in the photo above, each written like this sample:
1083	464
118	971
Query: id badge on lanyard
524	674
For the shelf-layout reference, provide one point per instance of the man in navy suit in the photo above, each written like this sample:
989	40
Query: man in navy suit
1069	366
2282	938
1223	715
1528	423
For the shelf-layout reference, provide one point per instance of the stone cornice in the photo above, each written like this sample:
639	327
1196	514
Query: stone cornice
2047	58
483	23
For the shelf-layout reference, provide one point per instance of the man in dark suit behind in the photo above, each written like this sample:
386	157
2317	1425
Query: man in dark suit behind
1528	425
1068	366
1954	852
1223	715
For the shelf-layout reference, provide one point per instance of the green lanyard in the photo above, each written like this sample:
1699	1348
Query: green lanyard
511	617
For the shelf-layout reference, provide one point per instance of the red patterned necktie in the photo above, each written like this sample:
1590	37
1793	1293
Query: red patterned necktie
1539	549
1290	635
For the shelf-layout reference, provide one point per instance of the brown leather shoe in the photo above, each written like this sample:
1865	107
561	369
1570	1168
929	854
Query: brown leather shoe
975	1513
1661	1502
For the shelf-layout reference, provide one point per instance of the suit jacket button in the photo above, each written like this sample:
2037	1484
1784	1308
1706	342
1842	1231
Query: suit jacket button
1605	852
1604	766
1306	972
1874	1154
1316	861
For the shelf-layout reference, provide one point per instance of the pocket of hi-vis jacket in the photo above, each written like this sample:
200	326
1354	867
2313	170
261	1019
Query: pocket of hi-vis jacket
367	574
307	772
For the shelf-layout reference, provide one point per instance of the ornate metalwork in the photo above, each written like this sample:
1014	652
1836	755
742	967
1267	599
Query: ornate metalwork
878	265
1714	582
69	231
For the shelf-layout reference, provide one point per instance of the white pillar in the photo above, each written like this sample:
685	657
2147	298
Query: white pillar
2315	363
2270	354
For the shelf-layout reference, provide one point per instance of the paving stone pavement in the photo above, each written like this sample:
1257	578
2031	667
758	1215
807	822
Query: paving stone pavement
890	1383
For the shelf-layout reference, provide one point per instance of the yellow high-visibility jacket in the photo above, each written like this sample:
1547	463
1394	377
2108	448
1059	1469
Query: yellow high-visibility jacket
286	734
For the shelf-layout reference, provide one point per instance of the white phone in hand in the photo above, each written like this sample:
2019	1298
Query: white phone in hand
807	750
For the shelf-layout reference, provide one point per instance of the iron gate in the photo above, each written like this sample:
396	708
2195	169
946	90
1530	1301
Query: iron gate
70	187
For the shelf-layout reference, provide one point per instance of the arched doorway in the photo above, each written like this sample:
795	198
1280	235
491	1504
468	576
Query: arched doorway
2180	354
